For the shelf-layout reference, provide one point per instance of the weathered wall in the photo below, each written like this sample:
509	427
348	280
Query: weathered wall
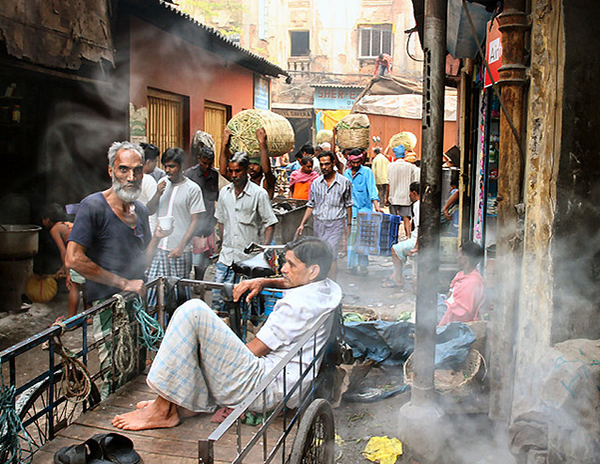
559	287
333	32
577	237
543	152
60	34
165	62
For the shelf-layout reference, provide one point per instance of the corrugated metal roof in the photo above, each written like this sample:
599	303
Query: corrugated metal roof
150	11
339	86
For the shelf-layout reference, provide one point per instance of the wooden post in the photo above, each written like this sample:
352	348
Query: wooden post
512	79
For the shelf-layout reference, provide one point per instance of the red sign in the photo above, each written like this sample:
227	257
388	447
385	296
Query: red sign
493	52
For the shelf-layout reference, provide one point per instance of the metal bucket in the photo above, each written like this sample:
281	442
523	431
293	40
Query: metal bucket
18	241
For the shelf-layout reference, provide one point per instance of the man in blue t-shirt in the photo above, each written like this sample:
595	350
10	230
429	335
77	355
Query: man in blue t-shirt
111	243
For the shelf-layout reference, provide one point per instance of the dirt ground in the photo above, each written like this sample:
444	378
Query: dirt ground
470	441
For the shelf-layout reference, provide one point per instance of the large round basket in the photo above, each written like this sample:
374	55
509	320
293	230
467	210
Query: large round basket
408	139
447	380
324	135
41	289
353	131
243	126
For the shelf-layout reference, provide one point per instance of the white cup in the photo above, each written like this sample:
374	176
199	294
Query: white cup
165	223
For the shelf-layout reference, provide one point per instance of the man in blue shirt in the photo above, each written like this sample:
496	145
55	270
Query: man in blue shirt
364	198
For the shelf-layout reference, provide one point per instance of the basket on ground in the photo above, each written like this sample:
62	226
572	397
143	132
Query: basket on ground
353	131
376	233
447	380
243	126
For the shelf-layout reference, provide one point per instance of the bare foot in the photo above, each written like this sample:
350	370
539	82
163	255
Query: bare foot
157	414
185	413
143	404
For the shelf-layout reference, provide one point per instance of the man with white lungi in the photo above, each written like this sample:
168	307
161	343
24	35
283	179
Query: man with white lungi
202	364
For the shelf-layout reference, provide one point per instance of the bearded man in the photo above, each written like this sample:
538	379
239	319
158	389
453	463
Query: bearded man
111	243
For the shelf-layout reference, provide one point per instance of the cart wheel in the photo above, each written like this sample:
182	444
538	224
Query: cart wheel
315	440
30	405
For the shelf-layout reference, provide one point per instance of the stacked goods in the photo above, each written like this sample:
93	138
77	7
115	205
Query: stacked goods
243	126
324	135
353	131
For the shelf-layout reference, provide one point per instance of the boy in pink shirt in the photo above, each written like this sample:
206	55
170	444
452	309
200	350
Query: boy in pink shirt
467	289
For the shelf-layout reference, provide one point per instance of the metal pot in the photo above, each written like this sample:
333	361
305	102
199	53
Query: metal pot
18	241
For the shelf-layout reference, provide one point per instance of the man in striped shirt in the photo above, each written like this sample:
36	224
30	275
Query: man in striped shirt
330	201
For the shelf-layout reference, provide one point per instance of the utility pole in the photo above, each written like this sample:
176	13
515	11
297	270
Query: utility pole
422	406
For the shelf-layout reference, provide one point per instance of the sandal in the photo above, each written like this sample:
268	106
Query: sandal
117	448
88	452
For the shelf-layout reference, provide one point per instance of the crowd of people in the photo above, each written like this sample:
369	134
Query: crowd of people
151	223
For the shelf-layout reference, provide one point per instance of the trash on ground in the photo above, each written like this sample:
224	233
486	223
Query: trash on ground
383	450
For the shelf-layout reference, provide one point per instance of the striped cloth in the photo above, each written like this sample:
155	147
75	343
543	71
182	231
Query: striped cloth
330	202
201	363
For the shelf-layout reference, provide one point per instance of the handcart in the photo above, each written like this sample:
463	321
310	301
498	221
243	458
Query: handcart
53	416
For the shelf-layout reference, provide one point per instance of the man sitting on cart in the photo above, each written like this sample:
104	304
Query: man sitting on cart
201	362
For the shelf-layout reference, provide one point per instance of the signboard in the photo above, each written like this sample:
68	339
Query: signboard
493	52
262	100
292	113
335	98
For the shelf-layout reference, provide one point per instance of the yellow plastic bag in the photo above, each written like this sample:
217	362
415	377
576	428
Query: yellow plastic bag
383	450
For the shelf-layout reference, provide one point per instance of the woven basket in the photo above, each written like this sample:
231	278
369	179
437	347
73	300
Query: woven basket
353	131
324	135
447	380
408	139
243	126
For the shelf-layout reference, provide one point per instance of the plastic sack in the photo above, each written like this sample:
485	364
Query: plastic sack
391	343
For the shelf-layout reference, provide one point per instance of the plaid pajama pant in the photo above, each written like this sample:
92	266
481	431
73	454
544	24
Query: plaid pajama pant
164	266
201	363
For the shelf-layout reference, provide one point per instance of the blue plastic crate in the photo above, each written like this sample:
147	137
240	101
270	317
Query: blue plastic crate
376	233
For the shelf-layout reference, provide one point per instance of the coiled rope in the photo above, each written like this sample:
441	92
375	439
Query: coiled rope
124	354
10	443
151	331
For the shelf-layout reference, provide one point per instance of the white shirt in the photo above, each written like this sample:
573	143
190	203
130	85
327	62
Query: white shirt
149	186
400	175
244	219
180	201
416	207
293	315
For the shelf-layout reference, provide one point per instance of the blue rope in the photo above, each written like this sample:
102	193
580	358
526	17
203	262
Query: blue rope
10	444
151	331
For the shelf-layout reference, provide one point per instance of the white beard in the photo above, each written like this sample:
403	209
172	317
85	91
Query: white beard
126	195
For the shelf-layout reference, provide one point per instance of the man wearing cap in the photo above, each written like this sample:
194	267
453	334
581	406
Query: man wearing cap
364	198
400	175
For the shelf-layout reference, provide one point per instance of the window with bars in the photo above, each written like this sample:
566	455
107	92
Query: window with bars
166	113
375	39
